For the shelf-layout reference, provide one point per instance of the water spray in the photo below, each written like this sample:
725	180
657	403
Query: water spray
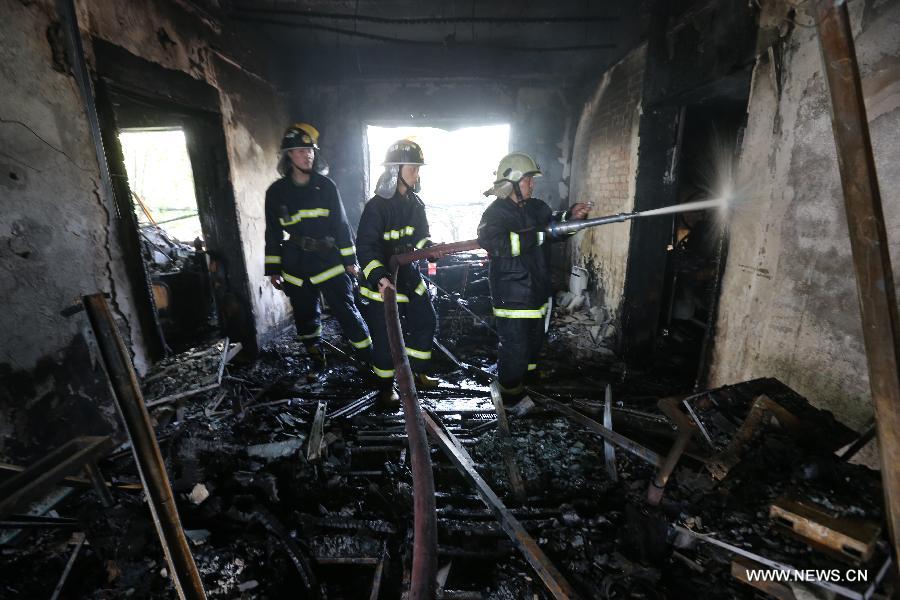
568	227
558	229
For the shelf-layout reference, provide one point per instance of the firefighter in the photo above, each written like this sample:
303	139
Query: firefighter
511	230
393	222
318	256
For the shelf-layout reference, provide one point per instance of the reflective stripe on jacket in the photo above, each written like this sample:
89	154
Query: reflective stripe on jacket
519	269
314	211
388	227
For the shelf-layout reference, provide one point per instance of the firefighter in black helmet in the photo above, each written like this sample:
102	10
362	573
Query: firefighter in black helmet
392	222
318	256
511	230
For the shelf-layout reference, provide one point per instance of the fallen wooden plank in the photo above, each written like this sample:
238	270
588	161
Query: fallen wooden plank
509	457
38	478
847	538
609	451
618	439
554	581
73	481
226	354
314	448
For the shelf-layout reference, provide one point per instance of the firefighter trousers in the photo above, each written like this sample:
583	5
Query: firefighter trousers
520	344
418	322
338	293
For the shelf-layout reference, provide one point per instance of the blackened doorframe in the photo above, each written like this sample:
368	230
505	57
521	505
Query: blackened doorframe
658	184
135	93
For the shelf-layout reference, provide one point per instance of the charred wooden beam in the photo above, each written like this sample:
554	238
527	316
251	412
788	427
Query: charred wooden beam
868	241
147	455
39	478
554	581
509	457
618	439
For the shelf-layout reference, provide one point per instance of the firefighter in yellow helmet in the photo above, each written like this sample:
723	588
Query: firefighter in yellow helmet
512	232
318	256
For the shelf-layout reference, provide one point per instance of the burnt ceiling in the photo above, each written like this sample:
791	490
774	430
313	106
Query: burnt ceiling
334	40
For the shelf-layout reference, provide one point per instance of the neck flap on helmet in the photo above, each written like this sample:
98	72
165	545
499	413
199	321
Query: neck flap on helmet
387	183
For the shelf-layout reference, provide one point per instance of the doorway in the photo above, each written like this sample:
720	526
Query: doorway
698	241
162	189
167	156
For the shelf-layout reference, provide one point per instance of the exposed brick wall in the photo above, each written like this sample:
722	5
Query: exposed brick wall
604	163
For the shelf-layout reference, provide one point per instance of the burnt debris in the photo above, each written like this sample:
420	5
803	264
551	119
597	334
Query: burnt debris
291	486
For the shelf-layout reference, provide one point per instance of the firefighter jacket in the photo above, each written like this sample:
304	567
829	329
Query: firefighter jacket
319	243
519	269
388	227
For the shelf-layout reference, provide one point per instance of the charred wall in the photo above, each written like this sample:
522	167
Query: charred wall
625	154
789	307
604	166
59	230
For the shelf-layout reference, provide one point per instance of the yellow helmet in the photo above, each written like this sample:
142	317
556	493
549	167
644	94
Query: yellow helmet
512	168
300	135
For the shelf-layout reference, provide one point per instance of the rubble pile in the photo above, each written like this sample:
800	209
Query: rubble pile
162	253
588	334
197	369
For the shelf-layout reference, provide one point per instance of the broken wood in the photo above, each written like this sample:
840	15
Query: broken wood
867	435
762	408
509	457
215	382
849	539
609	451
37	522
869	241
72	481
314	445
378	575
767	563
554	581
686	427
618	439
68	569
147	455
38	478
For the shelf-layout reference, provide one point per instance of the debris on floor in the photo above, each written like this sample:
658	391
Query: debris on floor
268	513
191	372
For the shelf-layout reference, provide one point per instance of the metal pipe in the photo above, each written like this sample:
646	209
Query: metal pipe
558	229
424	563
151	467
868	241
554	229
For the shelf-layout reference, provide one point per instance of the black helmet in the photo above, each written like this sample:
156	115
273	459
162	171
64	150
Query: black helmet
404	152
300	135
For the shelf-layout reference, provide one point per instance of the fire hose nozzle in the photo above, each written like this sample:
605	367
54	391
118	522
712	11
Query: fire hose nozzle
559	229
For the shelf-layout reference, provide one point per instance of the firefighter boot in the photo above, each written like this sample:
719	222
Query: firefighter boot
425	382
